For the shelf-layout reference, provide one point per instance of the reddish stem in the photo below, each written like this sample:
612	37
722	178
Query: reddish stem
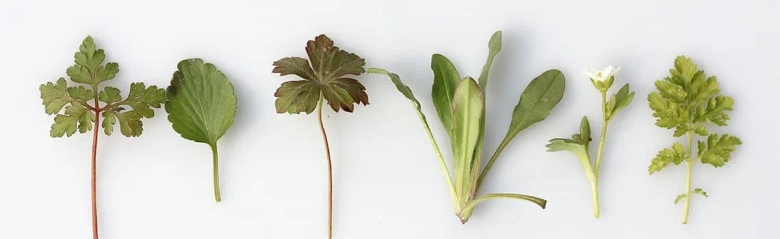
330	170
94	173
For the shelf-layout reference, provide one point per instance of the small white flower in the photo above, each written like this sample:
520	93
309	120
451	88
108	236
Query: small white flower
602	75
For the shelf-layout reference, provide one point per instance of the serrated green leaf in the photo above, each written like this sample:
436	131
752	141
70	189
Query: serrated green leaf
110	95
201	104
76	117
700	130
680	197
54	96
129	112
80	93
445	81
88	68
719	149
324	73
109	120
467	109
701	192
666	156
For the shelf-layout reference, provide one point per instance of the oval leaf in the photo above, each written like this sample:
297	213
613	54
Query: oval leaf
201	104
537	101
445	80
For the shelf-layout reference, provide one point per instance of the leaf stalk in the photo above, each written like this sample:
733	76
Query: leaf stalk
215	159
330	167
93	171
688	170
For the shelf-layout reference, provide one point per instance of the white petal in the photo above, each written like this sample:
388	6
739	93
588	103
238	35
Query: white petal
591	75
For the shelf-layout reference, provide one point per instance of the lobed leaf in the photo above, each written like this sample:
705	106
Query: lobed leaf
324	74
666	156
718	149
88	68
701	192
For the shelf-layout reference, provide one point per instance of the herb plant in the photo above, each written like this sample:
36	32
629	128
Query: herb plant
579	143
201	106
460	104
325	77
83	106
687	101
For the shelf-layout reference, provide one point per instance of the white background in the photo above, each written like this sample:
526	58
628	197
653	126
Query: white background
388	181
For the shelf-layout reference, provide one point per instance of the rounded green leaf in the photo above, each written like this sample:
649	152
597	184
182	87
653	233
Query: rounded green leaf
201	104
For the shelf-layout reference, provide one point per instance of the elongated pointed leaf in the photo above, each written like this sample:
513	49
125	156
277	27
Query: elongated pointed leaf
407	92
537	101
467	109
201	104
445	80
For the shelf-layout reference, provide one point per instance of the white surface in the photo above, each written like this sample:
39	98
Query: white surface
388	182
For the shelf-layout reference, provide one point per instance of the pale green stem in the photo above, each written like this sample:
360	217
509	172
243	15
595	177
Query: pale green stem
689	168
490	162
441	161
217	195
594	186
467	210
603	137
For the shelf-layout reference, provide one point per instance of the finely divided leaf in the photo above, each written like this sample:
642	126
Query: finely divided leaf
718	149
445	80
324	73
680	197
201	104
88	69
140	101
701	192
674	155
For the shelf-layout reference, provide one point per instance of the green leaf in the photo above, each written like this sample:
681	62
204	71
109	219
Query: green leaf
666	156
537	101
80	93
88	68
407	92
619	101
445	81
201	106
55	96
75	117
714	111
467	109
718	149
140	102
680	197
701	192
324	73
494	47
110	95
578	144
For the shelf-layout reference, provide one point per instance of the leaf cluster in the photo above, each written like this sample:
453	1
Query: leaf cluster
686	101
460	105
82	102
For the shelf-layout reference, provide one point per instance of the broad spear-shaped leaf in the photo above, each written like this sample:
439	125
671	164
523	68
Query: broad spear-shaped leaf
201	106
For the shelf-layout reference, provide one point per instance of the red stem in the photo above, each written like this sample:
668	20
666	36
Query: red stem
94	174
330	170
